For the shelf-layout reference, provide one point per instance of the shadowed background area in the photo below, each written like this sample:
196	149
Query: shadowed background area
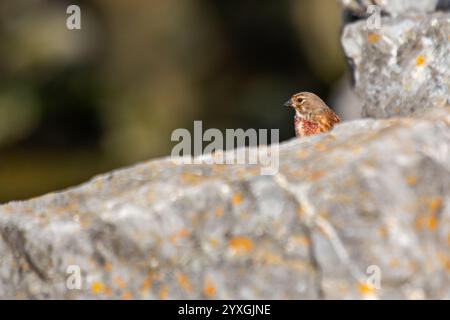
77	103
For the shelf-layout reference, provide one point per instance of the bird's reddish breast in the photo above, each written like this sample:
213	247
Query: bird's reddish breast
305	127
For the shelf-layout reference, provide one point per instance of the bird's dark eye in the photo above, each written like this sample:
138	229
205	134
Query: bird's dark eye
300	100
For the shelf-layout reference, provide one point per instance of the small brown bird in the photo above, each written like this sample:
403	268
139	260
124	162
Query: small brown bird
312	115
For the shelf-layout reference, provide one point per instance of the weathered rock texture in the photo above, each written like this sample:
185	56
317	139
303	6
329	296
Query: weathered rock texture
393	7
404	66
398	7
369	193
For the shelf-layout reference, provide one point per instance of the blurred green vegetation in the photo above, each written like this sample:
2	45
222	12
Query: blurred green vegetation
77	103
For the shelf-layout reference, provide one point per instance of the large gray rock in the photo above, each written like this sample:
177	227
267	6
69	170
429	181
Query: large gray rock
404	66
371	198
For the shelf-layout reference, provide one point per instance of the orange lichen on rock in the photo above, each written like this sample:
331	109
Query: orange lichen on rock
183	282
218	212
432	223
163	292
190	178
448	239
373	37
118	281
301	240
447	265
356	149
420	60
316	175
419	222
411	180
213	243
107	267
299	212
382	232
320	146
240	245
365	289
180	234
302	154
270	258
429	220
236	199
444	260
435	204
209	290
97	287
107	292
146	284
393	263
83	223
127	295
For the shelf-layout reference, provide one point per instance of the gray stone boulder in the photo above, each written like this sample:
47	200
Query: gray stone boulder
402	67
360	212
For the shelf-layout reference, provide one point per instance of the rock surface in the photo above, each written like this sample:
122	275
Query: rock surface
404	66
361	8
398	7
370	198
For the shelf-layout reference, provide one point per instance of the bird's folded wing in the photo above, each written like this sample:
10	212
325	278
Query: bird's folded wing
326	120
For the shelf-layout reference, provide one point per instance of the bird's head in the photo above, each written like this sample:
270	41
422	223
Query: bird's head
305	104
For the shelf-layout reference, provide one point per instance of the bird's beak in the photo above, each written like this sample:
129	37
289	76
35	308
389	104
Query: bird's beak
289	103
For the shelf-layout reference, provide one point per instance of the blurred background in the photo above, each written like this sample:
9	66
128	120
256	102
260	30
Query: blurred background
76	103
